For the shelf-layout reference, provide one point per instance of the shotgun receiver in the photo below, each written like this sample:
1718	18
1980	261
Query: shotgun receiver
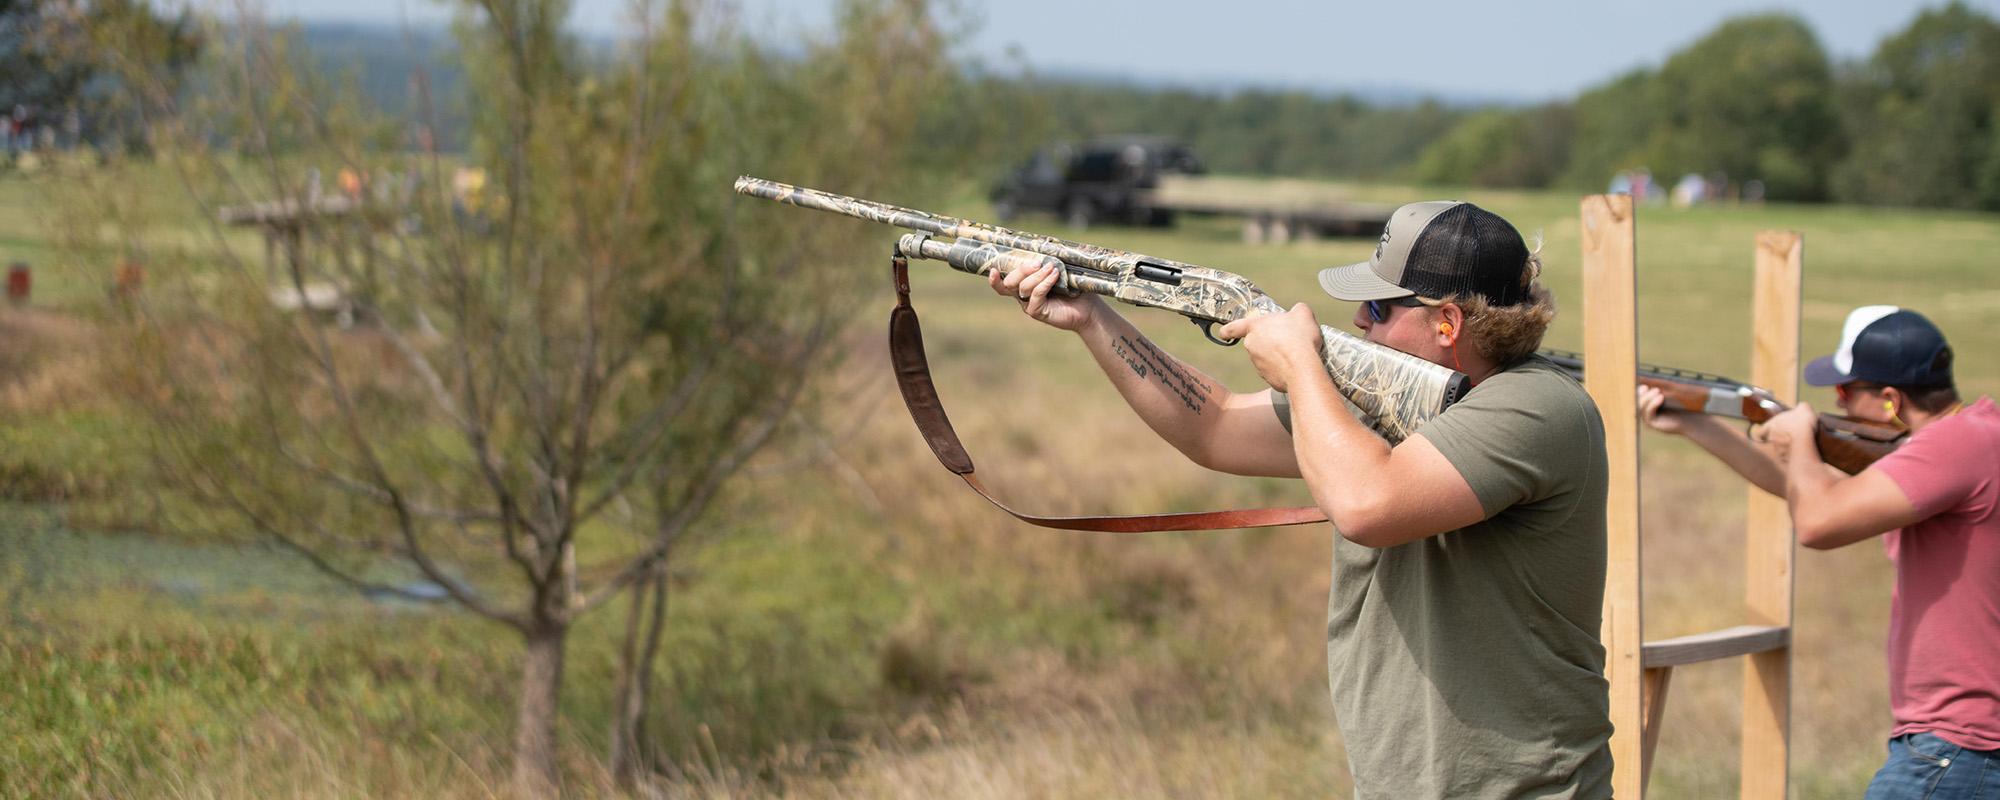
1849	444
1397	392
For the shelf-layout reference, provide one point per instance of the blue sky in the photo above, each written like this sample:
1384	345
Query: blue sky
1524	50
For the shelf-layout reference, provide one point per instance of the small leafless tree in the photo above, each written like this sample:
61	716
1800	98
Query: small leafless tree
560	345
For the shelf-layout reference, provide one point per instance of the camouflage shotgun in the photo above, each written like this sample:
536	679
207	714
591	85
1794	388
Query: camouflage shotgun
1398	392
1849	444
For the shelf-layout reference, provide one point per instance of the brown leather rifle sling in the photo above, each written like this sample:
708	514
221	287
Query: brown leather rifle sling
913	378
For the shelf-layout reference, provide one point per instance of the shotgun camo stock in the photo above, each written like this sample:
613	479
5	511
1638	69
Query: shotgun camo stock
1397	392
1849	444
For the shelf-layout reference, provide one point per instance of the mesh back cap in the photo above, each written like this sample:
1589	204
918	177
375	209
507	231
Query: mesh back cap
1438	248
1886	345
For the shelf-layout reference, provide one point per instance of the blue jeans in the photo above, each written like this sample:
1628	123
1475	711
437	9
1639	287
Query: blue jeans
1924	767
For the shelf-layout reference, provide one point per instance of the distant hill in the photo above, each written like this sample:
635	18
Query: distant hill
383	63
382	60
1378	95
1236	127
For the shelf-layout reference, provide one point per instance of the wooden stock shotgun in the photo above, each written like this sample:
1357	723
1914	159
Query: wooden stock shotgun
1849	444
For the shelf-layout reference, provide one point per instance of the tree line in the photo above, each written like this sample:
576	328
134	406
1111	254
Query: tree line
1917	123
1914	124
1757	99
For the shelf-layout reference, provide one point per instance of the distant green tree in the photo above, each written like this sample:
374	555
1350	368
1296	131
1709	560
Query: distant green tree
1509	148
1386	141
1924	115
56	58
1755	100
1612	124
31	72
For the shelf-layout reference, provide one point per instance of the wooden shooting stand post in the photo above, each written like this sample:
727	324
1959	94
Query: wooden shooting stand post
1639	670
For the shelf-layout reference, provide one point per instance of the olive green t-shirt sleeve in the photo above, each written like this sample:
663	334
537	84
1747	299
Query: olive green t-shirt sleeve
1281	403
1499	439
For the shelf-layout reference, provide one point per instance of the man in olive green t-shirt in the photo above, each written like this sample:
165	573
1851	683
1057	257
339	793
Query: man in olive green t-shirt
1462	627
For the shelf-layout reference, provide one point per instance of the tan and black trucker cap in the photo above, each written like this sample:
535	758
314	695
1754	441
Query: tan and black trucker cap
1438	248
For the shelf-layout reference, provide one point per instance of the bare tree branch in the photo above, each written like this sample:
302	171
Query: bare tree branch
703	492
360	488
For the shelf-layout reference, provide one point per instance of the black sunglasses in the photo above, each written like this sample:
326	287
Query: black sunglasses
1378	310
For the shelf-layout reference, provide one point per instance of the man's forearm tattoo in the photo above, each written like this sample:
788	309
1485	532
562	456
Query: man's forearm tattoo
1145	359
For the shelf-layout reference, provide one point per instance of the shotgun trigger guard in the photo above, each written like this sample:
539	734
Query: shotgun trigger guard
1207	327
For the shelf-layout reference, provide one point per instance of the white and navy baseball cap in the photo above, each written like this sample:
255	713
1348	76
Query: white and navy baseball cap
1886	345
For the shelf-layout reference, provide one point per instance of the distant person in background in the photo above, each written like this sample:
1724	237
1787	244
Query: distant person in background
1642	185
472	204
1692	190
1621	183
1937	499
350	182
23	138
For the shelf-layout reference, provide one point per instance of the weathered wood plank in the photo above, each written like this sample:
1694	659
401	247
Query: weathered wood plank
1610	335
1770	546
1741	640
1655	703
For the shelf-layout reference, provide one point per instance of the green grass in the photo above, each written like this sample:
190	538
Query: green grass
125	657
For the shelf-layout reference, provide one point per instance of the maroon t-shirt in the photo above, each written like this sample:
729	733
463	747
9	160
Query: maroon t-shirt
1944	618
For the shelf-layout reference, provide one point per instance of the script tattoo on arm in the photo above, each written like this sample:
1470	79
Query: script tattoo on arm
1145	359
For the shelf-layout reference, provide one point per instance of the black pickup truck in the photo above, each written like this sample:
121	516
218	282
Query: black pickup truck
1152	180
1102	180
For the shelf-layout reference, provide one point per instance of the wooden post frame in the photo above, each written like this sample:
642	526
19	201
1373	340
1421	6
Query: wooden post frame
1770	542
1639	672
1610	347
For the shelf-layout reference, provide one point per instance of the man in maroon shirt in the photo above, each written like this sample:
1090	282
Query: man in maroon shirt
1938	500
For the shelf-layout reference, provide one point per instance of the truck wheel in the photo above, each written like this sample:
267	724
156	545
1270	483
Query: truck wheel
1078	213
1280	231
1253	231
1160	217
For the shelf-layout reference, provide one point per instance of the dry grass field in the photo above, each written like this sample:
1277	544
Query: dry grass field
862	626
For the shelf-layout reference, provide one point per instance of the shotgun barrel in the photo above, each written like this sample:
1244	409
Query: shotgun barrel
1849	444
